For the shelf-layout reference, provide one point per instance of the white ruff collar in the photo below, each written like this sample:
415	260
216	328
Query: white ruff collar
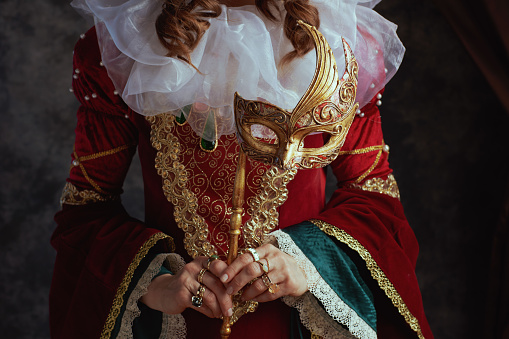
239	52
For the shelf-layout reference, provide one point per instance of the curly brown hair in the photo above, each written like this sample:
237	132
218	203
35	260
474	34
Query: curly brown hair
182	23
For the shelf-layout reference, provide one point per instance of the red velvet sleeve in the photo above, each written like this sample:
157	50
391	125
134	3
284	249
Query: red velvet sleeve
366	215
99	246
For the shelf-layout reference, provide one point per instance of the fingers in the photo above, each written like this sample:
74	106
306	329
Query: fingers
222	301
274	274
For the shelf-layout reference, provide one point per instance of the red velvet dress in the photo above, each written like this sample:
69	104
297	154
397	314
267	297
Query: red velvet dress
103	253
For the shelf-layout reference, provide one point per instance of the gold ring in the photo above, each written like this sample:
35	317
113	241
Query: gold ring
201	274
211	259
197	300
272	287
265	267
253	253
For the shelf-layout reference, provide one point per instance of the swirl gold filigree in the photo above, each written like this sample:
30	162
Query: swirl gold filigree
328	106
388	186
175	186
72	196
265	217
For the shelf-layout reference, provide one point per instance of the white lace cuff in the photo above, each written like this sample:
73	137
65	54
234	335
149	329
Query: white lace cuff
173	326
323	321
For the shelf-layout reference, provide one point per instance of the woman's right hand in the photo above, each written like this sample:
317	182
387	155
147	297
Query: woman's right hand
172	294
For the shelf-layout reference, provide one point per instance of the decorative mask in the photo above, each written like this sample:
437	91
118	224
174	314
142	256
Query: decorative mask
328	106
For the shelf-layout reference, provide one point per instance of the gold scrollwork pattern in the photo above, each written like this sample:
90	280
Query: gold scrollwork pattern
175	188
72	196
376	272
118	301
387	186
264	214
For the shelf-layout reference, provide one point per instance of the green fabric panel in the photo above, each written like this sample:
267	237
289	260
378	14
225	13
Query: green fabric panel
149	319
148	324
336	268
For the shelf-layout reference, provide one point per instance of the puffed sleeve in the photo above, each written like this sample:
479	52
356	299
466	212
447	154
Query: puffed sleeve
105	258
359	253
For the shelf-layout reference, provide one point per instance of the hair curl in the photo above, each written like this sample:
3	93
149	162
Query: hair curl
181	25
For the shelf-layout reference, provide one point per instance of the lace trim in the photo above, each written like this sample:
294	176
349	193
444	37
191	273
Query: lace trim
376	272
388	186
264	214
334	306
124	285
175	188
72	196
174	326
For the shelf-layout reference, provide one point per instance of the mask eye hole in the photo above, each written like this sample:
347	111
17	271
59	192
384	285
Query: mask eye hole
264	134
314	140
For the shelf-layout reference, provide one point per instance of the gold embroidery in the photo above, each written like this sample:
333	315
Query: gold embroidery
72	196
175	188
379	185
362	150
78	161
264	214
362	177
365	150
124	285
375	271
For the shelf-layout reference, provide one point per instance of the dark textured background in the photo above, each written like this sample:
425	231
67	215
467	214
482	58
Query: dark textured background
447	131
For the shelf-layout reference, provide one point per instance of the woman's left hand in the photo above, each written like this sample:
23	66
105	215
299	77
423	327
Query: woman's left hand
282	270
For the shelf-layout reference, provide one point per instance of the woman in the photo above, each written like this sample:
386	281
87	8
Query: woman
160	76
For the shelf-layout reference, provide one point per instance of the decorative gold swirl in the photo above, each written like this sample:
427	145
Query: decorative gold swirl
388	186
325	80
265	217
175	186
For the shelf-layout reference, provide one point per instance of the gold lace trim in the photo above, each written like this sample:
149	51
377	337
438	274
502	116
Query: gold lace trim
388	186
175	188
78	161
376	272
72	196
124	285
264	214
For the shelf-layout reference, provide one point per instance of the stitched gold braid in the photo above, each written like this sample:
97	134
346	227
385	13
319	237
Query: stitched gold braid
362	150
362	177
93	156
264	215
122	289
376	272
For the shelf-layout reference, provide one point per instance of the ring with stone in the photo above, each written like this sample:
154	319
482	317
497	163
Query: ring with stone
211	259
265	267
253	253
197	300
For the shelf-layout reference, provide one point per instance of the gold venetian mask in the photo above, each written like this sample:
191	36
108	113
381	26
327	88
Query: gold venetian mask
328	106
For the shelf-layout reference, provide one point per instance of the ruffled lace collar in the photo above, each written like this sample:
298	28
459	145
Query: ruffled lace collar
239	52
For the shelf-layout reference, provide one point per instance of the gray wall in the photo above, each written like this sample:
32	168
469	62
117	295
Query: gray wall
446	130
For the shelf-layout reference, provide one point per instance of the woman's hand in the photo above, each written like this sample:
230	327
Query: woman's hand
172	294
282	270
